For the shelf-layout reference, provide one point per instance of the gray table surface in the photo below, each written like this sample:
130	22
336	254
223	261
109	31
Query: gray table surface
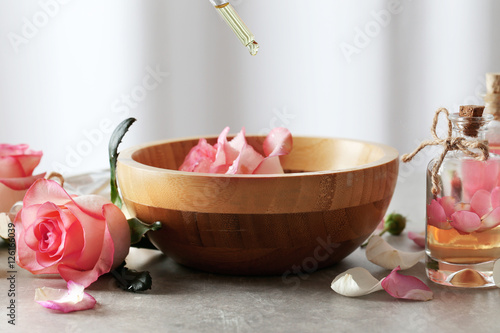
186	300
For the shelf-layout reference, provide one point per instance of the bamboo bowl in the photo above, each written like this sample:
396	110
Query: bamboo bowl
331	198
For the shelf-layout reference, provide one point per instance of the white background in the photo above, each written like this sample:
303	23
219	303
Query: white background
64	77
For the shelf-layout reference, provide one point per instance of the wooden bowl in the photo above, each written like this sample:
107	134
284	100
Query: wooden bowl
331	198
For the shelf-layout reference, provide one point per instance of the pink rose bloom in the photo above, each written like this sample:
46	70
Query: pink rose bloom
79	238
17	163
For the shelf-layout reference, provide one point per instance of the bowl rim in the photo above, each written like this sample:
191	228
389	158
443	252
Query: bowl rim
125	157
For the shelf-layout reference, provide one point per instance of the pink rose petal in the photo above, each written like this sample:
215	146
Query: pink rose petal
462	206
30	161
247	161
278	142
237	144
406	287
477	175
465	222
19	184
43	189
11	167
495	197
481	202
18	160
73	299
237	156
436	216
491	220
270	165
119	231
418	238
448	204
225	154
199	158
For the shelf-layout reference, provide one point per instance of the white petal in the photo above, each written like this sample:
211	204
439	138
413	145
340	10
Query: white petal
356	282
4	225
379	252
72	299
496	273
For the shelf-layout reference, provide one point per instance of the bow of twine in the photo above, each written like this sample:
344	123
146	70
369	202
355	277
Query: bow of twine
449	143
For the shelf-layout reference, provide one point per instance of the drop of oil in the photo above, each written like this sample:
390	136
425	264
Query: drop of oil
253	47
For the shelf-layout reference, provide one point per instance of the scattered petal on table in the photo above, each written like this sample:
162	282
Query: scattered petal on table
496	273
407	287
379	252
356	282
418	238
73	299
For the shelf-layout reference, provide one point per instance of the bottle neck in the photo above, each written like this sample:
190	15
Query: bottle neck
470	128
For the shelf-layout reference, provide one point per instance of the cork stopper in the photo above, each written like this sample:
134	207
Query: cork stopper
471	111
493	83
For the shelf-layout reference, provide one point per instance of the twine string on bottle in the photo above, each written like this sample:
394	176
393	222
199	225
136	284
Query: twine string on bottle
449	143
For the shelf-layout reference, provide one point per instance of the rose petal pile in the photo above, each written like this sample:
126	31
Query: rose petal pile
17	163
79	238
482	213
237	156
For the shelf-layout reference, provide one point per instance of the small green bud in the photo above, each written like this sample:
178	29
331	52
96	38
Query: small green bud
395	224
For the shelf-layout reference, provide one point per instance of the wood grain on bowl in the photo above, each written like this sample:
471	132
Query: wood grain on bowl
261	224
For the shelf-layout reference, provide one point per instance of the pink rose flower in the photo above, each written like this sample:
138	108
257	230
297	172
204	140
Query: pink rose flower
79	238
17	163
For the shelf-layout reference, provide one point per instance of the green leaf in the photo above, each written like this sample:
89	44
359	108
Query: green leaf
131	280
139	228
114	142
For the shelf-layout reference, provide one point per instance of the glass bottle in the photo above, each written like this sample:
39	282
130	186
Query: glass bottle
462	229
492	103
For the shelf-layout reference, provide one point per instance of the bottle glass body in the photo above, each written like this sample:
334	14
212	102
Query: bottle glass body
463	222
